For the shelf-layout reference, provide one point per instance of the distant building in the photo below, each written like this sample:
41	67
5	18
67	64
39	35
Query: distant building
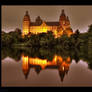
40	26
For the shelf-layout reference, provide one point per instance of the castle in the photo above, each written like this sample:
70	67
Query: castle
40	26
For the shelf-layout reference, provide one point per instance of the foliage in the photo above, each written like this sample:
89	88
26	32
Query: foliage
47	41
90	28
45	46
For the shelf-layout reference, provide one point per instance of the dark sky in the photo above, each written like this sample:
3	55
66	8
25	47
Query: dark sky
80	16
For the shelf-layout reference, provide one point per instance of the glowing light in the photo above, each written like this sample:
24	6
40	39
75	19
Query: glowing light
68	59
43	62
63	68
25	64
26	61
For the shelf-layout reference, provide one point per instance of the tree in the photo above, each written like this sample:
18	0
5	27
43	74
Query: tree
76	35
77	32
18	31
90	28
6	39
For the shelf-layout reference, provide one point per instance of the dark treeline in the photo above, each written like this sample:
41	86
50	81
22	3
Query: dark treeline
46	40
77	46
44	46
42	53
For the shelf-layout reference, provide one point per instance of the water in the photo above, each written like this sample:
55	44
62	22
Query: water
39	68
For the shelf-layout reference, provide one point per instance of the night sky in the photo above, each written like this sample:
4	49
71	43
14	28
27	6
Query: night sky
80	16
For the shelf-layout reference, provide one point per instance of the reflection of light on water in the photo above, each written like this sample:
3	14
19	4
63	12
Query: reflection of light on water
61	64
68	59
63	68
45	62
42	62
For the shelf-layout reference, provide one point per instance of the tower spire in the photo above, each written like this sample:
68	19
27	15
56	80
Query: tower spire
67	18
26	12
63	12
63	16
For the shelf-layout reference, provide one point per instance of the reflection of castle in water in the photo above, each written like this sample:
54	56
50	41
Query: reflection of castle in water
39	64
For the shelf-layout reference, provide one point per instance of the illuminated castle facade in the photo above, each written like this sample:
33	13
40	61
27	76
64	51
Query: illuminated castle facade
40	26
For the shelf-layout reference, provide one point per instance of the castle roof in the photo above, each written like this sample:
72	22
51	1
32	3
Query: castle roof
35	24
47	23
52	23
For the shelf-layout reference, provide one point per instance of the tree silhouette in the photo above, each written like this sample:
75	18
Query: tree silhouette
90	28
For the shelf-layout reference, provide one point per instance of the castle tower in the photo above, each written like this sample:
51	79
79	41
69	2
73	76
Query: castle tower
26	24
62	19
67	21
38	20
